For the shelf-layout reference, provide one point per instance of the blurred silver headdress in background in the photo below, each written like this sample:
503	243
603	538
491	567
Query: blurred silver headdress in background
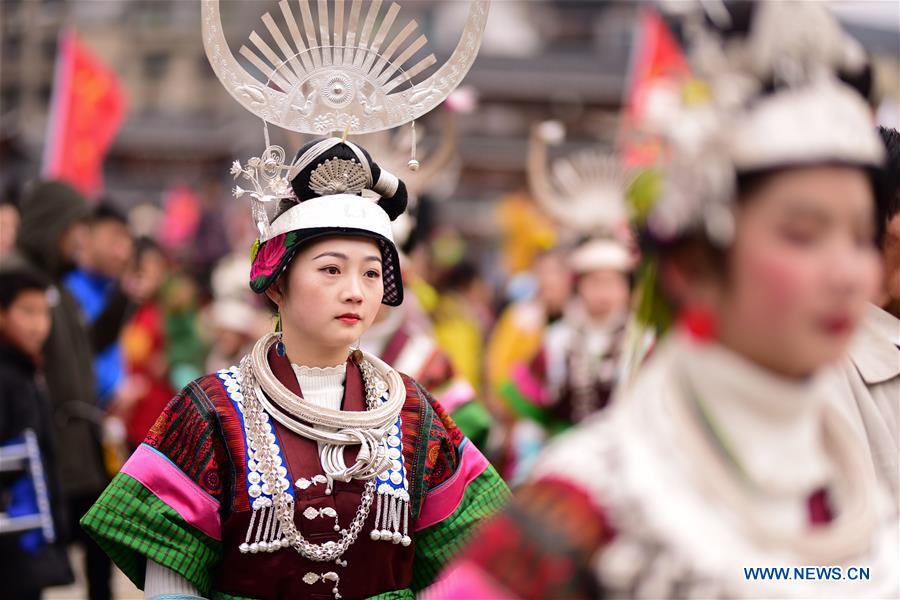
766	97
440	167
584	192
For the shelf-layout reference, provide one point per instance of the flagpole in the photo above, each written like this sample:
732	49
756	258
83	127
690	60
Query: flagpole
638	35
59	103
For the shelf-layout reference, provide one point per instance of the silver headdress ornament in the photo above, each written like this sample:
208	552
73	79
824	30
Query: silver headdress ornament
331	70
726	122
392	150
336	72
584	192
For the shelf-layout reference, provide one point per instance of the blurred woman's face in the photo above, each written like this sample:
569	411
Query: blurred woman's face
801	269
604	293
150	272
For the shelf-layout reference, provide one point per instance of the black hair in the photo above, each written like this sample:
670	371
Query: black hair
106	211
459	277
14	282
888	205
393	205
145	244
12	193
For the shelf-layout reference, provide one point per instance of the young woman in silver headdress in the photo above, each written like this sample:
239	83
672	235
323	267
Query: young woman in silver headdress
724	471
574	373
310	461
310	469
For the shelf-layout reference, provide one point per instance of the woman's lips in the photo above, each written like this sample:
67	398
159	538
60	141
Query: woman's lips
837	324
349	319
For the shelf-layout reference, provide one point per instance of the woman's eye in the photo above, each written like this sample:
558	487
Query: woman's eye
799	237
373	274
331	270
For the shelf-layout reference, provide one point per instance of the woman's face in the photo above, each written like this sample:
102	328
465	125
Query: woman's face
801	269
604	292
334	290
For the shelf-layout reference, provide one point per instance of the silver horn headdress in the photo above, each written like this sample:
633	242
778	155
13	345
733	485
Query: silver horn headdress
342	70
583	191
330	66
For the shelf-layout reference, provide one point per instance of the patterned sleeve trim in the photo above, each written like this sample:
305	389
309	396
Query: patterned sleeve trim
132	525
438	441
442	501
189	435
173	487
483	497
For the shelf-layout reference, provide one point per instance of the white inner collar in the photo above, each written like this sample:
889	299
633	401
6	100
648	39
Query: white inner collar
323	387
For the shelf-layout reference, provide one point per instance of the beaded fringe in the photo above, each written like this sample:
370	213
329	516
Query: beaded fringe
265	533
392	516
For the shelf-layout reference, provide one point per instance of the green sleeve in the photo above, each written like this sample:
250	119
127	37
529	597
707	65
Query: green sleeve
132	525
436	545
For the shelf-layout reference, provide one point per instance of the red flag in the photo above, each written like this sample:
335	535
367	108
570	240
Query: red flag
87	109
657	61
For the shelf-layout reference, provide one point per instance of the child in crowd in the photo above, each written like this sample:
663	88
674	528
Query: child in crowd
34	558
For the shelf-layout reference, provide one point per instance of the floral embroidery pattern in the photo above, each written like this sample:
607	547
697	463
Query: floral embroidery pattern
271	257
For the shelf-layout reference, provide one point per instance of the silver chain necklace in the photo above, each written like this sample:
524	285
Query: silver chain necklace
287	533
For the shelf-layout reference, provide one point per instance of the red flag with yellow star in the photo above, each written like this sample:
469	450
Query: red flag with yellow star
87	109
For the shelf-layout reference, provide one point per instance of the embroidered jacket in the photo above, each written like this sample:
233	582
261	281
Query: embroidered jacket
185	499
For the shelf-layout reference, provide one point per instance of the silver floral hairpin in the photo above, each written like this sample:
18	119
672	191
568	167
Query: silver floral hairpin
268	176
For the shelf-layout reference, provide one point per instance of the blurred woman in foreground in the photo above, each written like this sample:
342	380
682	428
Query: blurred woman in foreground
726	454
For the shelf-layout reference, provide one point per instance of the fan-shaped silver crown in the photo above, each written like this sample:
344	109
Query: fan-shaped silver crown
340	70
